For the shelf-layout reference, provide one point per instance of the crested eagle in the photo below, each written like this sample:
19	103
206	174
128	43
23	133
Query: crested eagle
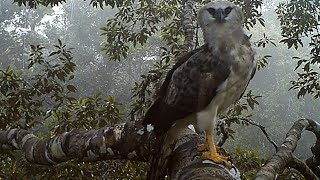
207	80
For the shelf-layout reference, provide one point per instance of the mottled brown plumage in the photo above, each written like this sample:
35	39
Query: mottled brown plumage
189	86
185	89
206	81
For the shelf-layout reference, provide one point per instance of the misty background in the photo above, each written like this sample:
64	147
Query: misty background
78	25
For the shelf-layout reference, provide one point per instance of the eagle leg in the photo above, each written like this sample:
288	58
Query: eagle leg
212	153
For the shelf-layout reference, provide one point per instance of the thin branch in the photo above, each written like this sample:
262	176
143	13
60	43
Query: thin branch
227	120
263	129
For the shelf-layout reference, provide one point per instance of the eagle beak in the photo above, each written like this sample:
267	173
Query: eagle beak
219	15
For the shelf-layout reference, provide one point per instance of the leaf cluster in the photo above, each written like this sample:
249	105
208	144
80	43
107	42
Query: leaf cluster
44	98
247	161
299	21
24	101
149	85
252	12
35	3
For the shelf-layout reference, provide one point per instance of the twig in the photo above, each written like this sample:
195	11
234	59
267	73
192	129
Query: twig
263	129
249	121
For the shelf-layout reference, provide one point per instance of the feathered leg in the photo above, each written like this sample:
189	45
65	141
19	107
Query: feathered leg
212	153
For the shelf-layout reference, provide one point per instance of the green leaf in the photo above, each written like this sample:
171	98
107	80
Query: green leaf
60	43
71	88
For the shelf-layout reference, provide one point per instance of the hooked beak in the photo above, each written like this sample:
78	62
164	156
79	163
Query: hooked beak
219	15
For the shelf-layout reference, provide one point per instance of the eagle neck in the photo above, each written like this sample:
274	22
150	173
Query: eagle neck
223	42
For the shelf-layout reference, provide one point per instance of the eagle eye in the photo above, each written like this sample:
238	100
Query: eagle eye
228	10
212	11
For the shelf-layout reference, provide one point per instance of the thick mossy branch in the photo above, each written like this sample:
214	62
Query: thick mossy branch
185	162
132	141
122	141
314	161
284	157
302	168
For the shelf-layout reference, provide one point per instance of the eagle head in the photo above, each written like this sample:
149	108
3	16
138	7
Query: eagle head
220	13
220	19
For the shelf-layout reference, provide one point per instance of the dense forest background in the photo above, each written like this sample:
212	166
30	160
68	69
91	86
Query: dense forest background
92	85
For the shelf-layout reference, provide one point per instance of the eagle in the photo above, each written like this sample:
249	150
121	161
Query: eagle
206	81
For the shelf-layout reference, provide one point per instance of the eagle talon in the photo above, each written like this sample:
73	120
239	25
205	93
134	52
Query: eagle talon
217	159
213	152
203	147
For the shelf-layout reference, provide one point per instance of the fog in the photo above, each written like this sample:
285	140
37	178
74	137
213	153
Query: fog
78	25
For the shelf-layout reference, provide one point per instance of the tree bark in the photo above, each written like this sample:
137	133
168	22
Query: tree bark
284	155
188	26
132	141
123	141
185	162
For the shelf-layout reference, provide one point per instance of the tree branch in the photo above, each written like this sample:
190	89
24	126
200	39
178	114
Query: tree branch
302	168
94	145
180	149
283	157
122	141
185	162
227	120
188	26
314	161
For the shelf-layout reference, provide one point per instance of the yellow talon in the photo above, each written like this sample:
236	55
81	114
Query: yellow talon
212	153
203	147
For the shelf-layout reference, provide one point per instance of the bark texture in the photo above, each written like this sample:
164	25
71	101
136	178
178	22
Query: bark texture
122	141
188	26
284	155
132	141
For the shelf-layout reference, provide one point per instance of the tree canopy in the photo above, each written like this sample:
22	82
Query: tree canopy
90	65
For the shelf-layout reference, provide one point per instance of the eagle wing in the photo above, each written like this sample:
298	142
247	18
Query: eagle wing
189	87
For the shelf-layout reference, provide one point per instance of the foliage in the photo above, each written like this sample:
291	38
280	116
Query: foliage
86	113
247	161
24	103
34	3
28	100
299	20
134	23
142	91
